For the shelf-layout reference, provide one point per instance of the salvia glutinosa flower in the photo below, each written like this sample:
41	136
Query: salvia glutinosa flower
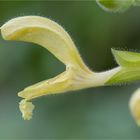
77	75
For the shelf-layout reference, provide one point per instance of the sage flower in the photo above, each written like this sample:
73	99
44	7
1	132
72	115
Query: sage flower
77	75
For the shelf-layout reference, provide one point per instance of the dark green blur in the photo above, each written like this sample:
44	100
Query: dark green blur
99	113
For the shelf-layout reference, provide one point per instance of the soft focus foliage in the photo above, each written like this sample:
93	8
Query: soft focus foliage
93	113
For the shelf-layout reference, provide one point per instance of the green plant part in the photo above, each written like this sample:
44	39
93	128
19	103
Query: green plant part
117	5
77	75
130	67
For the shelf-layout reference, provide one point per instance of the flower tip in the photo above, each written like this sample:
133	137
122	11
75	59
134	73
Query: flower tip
20	94
24	94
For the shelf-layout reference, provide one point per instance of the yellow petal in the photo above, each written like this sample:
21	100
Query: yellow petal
46	33
58	84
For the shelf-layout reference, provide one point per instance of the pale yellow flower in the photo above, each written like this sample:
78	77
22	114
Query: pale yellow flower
77	75
53	37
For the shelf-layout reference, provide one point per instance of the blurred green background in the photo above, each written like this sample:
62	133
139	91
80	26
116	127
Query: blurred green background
99	113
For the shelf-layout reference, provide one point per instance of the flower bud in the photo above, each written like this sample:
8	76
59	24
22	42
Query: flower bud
115	5
135	106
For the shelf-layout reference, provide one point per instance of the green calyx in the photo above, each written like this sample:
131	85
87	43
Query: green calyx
129	67
127	59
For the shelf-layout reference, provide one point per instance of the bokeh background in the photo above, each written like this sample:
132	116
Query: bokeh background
99	113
